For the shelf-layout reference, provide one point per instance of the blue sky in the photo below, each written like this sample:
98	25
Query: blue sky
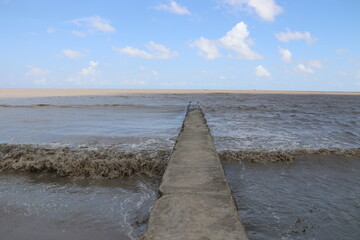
186	44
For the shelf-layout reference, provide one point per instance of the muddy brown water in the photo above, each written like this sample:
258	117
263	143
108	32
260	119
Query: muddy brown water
315	197
45	206
128	138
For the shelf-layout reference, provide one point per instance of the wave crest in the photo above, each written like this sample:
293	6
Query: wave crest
286	156
102	162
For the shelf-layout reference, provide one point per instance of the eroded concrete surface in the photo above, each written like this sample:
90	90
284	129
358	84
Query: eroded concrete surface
196	201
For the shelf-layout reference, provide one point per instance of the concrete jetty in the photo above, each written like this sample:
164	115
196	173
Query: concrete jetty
196	200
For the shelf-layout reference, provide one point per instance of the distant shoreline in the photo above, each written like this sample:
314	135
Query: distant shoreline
19	93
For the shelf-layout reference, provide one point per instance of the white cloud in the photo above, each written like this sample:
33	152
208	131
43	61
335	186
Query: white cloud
222	77
208	48
260	71
156	51
90	70
135	52
285	54
72	54
265	9
87	75
303	69
37	75
315	63
92	24
235	40
173	7
289	36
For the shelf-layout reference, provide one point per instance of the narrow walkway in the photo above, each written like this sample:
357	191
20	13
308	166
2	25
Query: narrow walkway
196	201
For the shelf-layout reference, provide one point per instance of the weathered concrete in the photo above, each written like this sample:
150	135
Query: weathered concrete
196	201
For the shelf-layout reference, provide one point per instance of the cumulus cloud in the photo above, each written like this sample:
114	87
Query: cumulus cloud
285	54
235	40
156	51
72	54
92	24
290	36
90	70
303	69
208	48
87	74
173	7
315	63
260	71
265	9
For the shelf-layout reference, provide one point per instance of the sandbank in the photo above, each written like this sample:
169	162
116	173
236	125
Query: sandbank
19	93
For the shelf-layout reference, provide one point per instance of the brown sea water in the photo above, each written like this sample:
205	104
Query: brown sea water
292	162
122	143
43	206
315	197
83	167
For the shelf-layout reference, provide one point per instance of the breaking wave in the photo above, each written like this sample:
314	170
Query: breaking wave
109	162
102	162
286	156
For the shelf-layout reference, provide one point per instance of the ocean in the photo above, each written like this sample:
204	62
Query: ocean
90	166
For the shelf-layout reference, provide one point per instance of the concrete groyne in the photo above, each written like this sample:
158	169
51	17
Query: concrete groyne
196	201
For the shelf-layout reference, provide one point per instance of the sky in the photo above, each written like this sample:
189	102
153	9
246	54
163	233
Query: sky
184	44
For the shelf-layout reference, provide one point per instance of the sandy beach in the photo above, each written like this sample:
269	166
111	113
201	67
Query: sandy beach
15	93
